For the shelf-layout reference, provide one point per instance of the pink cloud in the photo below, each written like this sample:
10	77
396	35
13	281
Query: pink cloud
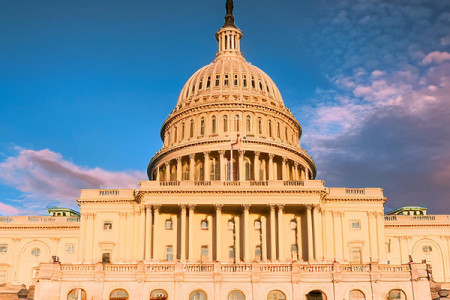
8	210
436	57
45	175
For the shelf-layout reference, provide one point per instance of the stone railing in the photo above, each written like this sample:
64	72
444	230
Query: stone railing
38	220
417	220
169	183
306	271
232	183
198	267
294	183
355	191
202	183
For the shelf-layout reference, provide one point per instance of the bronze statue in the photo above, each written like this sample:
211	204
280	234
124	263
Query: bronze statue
229	18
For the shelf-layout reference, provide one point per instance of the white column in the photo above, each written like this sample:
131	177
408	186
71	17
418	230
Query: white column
167	177
179	169
302	174
148	232
142	234
129	238
157	174
263	239
299	239
218	232
246	243
191	232
280	232
122	235
271	175
256	165
317	221
206	176
380	233
296	171
310	233
273	245
183	232
222	165
237	230
241	165
191	166
155	231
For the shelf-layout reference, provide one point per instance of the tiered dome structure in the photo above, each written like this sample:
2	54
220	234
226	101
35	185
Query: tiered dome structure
230	124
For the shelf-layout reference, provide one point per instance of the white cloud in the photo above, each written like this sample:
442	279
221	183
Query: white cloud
45	177
436	57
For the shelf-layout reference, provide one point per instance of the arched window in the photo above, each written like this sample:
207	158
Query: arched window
225	123
253	82
182	131
315	295
226	80
244	80
158	295
200	84
248	124
119	294
396	295
356	295
286	134
278	130
259	126
208	82
213	124
236	295
236	80
175	135
260	86
269	128
248	170
217	80
198	295
202	126
191	129
77	294
236	123
276	295
258	253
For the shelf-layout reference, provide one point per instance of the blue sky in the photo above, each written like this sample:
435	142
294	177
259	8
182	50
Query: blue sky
85	87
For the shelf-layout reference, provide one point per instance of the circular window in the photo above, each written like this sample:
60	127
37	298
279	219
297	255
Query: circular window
427	248
77	294
236	295
197	295
36	252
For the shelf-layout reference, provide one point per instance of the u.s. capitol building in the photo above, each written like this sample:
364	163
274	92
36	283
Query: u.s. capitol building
232	210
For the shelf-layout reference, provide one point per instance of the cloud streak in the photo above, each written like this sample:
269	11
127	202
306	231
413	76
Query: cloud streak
45	178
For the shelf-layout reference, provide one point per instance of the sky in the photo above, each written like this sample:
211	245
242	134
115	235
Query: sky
86	85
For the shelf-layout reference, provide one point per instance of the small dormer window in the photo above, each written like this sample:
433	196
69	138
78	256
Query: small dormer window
217	80
226	80
236	80
208	82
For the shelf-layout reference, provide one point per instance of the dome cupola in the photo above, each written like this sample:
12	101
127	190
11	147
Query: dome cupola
230	123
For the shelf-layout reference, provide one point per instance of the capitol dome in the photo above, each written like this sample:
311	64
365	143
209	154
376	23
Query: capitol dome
230	124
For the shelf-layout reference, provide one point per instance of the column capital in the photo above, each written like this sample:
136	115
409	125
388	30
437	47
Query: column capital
167	163
271	155
183	206
285	160
192	206
221	152
257	153
179	159
156	207
309	206
206	153
191	156
218	207
296	164
246	206
280	206
272	207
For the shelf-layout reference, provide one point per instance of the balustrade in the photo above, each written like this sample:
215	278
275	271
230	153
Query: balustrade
198	267
120	268
356	268
77	268
276	268
160	268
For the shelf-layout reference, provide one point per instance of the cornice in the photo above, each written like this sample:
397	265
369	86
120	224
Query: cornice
349	199
33	227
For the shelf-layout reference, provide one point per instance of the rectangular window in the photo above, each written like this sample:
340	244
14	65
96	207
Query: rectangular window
205	251
208	82
69	248
225	81
355	255
217	80
106	258
244	80
169	253
204	224
355	224
169	224
235	79
231	252
3	248
107	225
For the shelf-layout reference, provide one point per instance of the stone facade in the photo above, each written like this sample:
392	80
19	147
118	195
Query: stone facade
232	210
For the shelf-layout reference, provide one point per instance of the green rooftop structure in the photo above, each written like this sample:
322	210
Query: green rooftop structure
409	211
62	212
